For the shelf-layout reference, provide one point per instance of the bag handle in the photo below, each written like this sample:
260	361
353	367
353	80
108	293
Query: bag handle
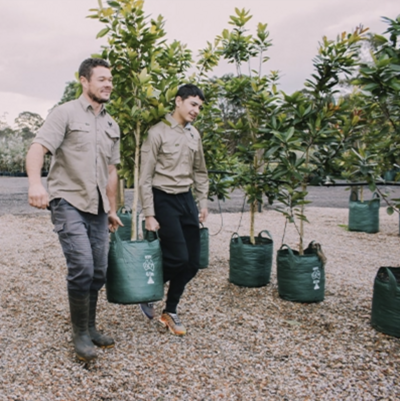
119	241
375	197
392	282
288	248
236	235
147	234
266	232
124	210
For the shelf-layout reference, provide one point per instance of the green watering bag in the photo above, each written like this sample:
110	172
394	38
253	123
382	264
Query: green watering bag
364	216
250	265
385	315
134	272
204	247
301	278
125	215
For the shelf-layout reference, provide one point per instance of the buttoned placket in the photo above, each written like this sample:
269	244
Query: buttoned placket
187	131
96	200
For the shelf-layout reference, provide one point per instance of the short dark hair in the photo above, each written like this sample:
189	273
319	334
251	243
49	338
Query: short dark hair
190	90
86	67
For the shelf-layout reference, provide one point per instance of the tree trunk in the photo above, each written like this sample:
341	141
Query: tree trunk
253	209
303	188
301	245
134	231
121	193
354	193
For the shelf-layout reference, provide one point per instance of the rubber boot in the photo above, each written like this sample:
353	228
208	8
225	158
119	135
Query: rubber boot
101	340
79	307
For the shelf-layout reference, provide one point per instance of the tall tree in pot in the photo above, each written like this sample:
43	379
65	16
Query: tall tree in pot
146	73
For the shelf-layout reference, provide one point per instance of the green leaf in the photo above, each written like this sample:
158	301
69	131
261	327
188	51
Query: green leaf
371	87
394	84
113	4
103	32
390	210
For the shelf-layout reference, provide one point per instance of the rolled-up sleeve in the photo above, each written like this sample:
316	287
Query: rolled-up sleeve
200	177
148	155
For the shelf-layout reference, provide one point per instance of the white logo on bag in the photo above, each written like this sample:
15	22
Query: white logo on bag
316	277
148	266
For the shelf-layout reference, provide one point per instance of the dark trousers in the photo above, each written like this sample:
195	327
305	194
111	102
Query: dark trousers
84	241
179	233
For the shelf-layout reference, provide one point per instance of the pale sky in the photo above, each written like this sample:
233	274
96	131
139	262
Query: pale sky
44	41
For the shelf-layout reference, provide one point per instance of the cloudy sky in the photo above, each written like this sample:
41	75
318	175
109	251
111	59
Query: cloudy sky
43	41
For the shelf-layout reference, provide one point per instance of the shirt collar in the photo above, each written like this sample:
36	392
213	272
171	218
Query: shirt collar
86	104
172	121
175	123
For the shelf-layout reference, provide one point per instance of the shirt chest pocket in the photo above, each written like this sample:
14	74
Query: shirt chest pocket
110	139
169	155
193	145
78	135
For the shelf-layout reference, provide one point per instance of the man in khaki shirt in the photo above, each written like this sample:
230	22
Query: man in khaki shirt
172	162
83	140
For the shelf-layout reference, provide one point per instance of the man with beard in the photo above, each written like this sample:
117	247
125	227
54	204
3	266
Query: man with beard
172	163
83	140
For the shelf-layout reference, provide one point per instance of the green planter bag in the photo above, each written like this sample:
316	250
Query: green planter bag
301	278
134	273
204	247
364	216
385	315
250	265
125	215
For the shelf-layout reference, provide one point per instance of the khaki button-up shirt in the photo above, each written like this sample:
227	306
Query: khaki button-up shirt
172	160
82	145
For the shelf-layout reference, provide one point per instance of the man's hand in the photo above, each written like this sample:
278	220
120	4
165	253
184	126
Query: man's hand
38	196
151	224
203	215
114	221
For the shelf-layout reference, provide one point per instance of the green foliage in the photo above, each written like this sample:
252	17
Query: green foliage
237	47
72	90
215	142
334	59
14	144
13	150
5	130
246	102
314	126
146	73
360	164
28	124
378	150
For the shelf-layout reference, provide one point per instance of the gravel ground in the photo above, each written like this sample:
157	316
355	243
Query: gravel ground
242	343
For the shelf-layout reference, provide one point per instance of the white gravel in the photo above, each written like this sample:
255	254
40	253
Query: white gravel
242	343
